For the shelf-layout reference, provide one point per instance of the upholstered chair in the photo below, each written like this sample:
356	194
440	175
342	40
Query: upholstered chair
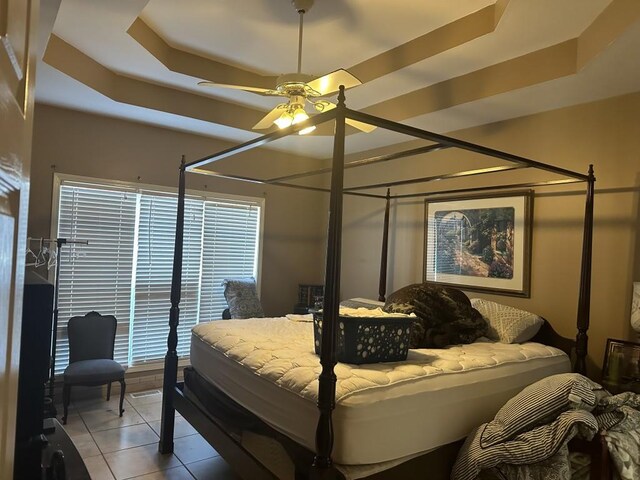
91	363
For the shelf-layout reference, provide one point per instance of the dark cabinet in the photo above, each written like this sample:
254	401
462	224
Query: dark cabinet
35	345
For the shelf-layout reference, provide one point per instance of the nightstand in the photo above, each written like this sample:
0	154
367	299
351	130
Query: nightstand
308	296
601	465
300	309
615	387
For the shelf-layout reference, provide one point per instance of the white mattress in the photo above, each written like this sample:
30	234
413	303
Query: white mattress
384	411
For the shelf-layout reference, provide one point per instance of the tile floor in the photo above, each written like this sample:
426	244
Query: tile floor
115	448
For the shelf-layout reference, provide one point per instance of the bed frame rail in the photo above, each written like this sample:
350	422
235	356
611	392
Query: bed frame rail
240	460
548	336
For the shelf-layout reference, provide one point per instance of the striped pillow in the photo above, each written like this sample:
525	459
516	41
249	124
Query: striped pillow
526	448
538	403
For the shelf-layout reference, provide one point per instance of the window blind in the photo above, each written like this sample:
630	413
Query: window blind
126	269
95	276
230	243
154	271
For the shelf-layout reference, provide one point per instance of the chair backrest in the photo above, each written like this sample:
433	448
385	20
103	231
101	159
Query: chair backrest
92	336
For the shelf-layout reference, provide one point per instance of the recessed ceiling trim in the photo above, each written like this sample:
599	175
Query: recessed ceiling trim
614	19
451	35
560	60
500	7
194	65
536	67
557	61
71	61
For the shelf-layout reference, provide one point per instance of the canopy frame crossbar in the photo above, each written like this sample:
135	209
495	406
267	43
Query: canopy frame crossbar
323	467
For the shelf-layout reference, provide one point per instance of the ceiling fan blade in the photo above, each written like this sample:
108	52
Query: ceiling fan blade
330	83
325	106
258	90
364	127
269	118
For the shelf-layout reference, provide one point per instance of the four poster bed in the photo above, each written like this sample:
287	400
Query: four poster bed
264	386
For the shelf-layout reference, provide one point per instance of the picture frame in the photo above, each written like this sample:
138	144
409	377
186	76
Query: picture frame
309	295
621	366
480	243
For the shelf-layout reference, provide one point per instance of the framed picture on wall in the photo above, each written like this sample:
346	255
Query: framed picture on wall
480	243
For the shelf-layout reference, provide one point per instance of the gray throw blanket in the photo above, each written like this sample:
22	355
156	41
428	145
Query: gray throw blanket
444	315
540	452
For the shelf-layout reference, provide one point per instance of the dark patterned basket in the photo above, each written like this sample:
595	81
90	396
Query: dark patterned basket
368	339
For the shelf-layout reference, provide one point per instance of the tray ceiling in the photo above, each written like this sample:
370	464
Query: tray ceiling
433	64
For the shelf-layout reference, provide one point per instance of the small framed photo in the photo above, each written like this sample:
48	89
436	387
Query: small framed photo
622	363
480	243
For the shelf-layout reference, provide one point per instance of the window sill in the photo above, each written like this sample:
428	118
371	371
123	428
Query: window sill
157	367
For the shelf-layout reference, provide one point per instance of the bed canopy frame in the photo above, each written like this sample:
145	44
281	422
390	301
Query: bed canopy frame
322	467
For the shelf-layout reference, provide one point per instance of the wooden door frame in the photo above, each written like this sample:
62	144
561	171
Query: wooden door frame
18	53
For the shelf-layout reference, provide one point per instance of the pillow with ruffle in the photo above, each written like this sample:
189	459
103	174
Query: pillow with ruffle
242	297
507	324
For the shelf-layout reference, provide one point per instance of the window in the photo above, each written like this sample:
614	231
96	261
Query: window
126	268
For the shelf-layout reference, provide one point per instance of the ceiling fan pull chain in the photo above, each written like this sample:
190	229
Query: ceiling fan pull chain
301	12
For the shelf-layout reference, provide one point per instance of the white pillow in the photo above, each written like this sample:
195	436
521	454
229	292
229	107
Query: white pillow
507	324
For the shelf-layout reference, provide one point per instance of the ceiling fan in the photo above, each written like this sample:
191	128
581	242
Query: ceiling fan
301	89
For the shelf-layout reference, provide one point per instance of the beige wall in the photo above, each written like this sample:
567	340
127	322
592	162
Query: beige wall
95	146
605	133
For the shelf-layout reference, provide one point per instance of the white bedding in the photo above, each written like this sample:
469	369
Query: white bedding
383	411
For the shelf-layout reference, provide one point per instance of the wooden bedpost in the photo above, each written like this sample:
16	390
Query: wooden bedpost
171	358
322	464
382	289
584	301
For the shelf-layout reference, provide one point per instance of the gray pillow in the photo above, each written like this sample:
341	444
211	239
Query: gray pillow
538	403
242	297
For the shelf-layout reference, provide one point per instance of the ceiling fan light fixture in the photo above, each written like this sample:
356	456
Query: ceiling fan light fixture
300	88
299	115
285	120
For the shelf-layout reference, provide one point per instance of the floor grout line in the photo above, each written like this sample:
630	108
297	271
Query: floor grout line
96	443
144	422
93	440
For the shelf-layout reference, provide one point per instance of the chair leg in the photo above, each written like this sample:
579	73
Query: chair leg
108	391
122	389
66	398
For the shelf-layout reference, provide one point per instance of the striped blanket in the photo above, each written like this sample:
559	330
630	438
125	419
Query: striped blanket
527	440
